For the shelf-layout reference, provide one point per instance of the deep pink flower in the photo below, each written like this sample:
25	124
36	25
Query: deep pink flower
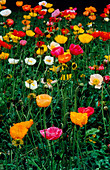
56	13
40	17
89	110
57	51
23	42
75	49
95	67
51	133
106	79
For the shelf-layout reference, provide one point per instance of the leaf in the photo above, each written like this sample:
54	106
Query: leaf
31	161
91	131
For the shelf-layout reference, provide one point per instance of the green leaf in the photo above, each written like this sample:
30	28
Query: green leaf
91	131
31	161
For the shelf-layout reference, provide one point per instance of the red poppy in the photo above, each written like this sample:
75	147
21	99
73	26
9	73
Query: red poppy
89	110
9	22
40	43
64	31
5	45
19	33
26	7
37	8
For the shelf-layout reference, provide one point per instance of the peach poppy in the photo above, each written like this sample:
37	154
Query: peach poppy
86	13
43	100
19	130
26	7
19	3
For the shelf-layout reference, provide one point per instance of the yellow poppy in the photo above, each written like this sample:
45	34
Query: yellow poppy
107	57
85	38
30	33
48	5
4	56
50	10
61	39
42	50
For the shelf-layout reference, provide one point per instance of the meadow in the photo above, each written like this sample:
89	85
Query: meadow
54	88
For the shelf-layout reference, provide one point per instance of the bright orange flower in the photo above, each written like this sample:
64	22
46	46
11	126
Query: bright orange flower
92	17
79	118
64	58
86	13
26	7
43	100
25	22
19	3
19	130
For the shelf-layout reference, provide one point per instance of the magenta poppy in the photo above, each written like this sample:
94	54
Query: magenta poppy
23	42
89	110
75	49
57	51
51	133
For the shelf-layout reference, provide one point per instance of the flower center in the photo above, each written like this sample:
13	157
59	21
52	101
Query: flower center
30	81
48	60
96	81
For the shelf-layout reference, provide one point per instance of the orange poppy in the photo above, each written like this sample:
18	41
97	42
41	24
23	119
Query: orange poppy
26	7
37	8
43	100
86	13
19	130
64	58
92	17
25	22
19	3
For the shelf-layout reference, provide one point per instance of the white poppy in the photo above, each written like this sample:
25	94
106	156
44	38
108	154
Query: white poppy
53	45
106	19
30	61
96	80
31	84
13	61
48	60
5	12
1	38
43	3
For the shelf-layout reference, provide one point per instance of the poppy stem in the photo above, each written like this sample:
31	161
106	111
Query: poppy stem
75	99
103	110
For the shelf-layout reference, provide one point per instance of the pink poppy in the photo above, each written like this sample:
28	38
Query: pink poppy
89	110
106	79
57	51
37	31
23	42
56	13
51	133
75	49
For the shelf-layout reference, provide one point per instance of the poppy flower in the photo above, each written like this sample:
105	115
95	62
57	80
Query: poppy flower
30	33
31	84
4	56
56	13
57	51
23	42
30	61
5	12
13	61
26	7
19	130
2	2
19	33
79	118
74	66
9	22
53	45
64	58
75	49
106	79
61	39
17	142
43	100
48	60
40	43
92	17
42	3
85	38
66	77
41	50
107	57
51	133
5	45
37	8
96	80
19	3
25	22
88	110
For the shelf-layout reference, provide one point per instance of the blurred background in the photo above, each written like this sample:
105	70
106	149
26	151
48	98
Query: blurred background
65	4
